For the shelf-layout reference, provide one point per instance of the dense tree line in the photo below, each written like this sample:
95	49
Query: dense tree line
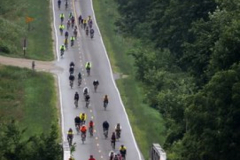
16	146
188	59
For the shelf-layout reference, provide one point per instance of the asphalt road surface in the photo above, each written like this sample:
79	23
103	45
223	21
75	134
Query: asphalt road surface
87	49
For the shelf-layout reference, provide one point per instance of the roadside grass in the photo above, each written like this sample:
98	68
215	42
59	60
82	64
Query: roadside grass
13	29
28	97
147	123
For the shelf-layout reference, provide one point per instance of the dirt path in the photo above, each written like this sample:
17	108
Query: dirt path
27	63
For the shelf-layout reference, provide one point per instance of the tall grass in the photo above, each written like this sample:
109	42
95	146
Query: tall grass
147	124
28	97
13	29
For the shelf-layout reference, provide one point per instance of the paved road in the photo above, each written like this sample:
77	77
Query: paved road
87	49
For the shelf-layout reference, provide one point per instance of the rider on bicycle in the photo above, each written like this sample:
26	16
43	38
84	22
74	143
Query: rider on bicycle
66	34
71	70
91	124
113	139
70	134
92	32
72	64
61	28
105	126
71	77
123	151
83	117
62	49
83	129
88	67
95	84
105	99
79	75
72	39
77	121
87	98
118	130
85	91
62	17
91	157
76	96
59	3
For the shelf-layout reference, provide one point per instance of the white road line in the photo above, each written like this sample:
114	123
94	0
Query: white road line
109	64
62	116
55	28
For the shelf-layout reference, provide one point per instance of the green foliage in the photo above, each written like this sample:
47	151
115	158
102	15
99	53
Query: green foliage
188	60
42	147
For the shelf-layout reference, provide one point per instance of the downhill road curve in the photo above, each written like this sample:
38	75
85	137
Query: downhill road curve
93	50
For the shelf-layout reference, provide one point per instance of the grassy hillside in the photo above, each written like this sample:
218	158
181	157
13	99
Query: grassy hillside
28	97
13	29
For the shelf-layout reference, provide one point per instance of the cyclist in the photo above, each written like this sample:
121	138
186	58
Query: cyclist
66	34
95	84
71	79
61	28
85	91
88	67
105	101
61	17
117	157
91	32
118	130
68	23
76	97
79	19
123	151
90	23
62	49
84	23
83	117
75	32
71	70
87	31
73	21
72	39
105	127
87	99
83	130
91	157
59	4
66	43
79	78
91	124
111	155
72	64
113	140
70	15
70	136
66	5
77	121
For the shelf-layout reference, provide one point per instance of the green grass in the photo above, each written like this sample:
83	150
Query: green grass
147	123
28	97
13	29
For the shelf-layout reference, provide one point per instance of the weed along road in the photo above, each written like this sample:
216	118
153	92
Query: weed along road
93	50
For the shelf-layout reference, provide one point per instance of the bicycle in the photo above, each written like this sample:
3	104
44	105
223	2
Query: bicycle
75	33
59	4
77	128
105	133
95	88
79	82
76	103
71	83
83	137
87	103
113	144
69	141
66	5
105	105
61	31
91	131
88	71
62	53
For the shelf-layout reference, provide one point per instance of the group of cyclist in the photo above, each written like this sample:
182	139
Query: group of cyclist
86	24
80	120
